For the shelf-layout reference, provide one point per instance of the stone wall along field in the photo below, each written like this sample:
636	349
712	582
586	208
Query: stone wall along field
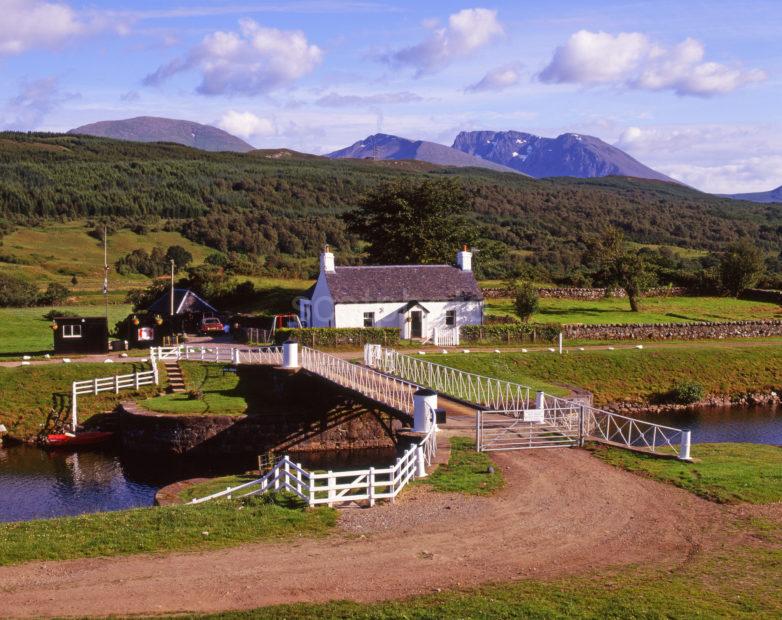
587	294
674	331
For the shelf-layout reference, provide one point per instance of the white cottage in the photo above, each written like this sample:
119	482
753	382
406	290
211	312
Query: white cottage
415	298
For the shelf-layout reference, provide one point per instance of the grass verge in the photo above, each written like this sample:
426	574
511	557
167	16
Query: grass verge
467	471
213	485
723	472
631	374
171	528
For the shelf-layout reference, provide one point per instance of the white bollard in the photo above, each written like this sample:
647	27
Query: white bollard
684	449
560	343
290	354
420	462
540	400
424	403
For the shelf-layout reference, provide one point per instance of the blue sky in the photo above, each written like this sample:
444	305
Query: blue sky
690	88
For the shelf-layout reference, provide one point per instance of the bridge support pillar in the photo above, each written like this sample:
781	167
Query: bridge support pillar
290	354
424	405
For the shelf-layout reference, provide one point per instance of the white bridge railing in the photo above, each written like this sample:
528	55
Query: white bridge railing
487	392
509	401
114	384
228	355
340	487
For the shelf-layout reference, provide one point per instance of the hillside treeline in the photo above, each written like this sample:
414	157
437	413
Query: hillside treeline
282	209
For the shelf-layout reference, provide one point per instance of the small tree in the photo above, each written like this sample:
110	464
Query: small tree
741	266
74	280
616	264
181	257
526	300
54	294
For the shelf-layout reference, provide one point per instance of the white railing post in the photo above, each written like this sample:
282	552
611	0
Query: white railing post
287	469
420	462
290	354
684	451
135	380
560	343
116	384
74	410
331	491
371	486
540	400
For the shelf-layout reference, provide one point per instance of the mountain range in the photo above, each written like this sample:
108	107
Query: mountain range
774	195
385	146
156	129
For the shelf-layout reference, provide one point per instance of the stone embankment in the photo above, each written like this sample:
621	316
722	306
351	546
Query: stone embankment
674	331
754	399
587	294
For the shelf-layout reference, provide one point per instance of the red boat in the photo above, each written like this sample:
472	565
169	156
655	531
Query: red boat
67	440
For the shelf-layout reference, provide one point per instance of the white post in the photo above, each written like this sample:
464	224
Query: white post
540	400
424	403
560	343
116	384
287	469
135	380
298	477
95	385
290	354
684	451
74	411
420	462
330	487
371	486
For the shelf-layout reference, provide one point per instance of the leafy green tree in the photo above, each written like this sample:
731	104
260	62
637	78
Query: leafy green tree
741	266
181	257
616	264
16	292
410	222
525	300
54	294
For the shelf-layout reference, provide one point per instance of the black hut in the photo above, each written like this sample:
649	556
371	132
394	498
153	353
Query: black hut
80	334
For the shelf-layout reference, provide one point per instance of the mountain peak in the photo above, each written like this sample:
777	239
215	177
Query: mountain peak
569	154
158	129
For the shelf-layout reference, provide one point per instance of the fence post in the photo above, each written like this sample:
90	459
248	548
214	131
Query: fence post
298	477
684	452
420	462
330	487
560	343
371	486
74	412
95	385
478	431
581	426
287	469
540	400
116	384
135	380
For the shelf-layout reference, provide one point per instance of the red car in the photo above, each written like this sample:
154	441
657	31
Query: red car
211	325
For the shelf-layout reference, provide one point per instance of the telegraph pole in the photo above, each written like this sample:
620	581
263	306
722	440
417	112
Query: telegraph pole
172	287
106	279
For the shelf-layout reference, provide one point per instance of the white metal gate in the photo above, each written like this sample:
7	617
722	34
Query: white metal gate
524	430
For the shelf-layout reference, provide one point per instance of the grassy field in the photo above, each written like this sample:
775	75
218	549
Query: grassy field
25	331
171	528
56	252
734	582
653	310
30	392
467	471
634	375
722	472
220	393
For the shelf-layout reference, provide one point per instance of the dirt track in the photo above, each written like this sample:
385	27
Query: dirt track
562	511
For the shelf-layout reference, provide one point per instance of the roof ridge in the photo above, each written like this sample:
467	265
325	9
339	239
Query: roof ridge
387	266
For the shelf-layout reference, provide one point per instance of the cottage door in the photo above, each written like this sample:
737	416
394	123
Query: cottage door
416	324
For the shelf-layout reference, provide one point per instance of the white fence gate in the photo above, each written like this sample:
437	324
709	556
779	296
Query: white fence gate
446	337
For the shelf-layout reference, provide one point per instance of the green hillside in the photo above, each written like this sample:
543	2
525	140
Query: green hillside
283	206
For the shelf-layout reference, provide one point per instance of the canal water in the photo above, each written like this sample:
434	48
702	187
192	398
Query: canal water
36	484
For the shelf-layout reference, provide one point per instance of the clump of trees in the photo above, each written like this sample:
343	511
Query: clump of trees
155	263
741	267
18	292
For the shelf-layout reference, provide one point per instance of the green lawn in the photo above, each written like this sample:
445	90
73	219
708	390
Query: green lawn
723	472
220	393
171	528
213	485
25	331
467	471
30	392
653	310
631	374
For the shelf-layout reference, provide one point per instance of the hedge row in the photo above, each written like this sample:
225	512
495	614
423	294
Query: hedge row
339	336
509	334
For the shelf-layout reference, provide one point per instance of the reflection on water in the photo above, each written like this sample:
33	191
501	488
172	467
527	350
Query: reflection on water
720	424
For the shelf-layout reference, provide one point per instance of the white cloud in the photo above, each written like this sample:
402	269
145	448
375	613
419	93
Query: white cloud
467	31
36	99
335	100
498	78
632	60
723	159
254	60
28	24
246	124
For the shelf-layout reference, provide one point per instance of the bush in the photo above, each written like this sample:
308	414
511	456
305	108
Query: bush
511	333
686	393
52	314
337	336
525	300
195	395
54	294
16	292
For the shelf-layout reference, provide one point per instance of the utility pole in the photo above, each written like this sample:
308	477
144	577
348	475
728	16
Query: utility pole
172	287
106	280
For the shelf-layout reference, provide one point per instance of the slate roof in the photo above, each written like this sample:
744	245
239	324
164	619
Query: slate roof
390	283
185	300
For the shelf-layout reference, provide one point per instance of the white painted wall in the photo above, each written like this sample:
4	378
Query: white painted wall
321	307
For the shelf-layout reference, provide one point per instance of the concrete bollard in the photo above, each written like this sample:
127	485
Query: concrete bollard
684	449
290	354
424	403
540	400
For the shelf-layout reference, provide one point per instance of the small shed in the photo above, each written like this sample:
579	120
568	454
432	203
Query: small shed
189	309
80	334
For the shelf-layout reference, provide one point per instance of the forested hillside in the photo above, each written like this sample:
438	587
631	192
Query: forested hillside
283	208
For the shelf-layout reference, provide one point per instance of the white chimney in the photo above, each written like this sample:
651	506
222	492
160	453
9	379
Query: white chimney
327	260
464	259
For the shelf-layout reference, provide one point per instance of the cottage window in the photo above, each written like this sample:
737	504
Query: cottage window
71	331
450	318
369	319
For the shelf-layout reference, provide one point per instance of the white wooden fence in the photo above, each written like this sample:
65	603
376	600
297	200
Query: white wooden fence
340	487
446	337
109	384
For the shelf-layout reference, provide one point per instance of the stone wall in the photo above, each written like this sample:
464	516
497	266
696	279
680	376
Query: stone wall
674	331
759	294
301	413
587	294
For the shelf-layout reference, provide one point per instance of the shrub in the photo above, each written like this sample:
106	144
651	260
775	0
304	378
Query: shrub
337	336
687	392
511	333
195	395
54	294
525	300
50	316
16	292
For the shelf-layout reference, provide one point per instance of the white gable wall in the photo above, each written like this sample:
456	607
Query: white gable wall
321	309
